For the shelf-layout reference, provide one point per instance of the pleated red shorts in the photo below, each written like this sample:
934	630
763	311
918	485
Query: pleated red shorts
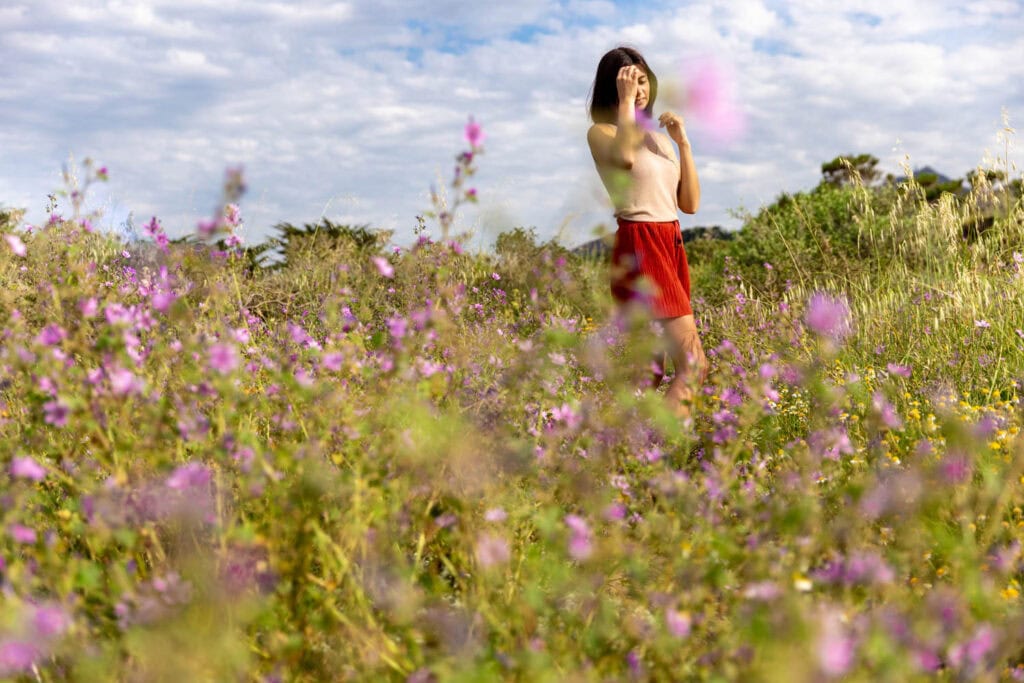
649	266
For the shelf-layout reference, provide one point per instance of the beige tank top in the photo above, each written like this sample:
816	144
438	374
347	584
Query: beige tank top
646	192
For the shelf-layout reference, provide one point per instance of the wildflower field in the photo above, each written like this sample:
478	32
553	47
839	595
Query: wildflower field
365	462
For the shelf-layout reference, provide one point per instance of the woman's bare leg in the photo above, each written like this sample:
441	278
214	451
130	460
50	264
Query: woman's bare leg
691	365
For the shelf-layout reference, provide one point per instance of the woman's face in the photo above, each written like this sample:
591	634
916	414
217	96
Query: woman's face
643	91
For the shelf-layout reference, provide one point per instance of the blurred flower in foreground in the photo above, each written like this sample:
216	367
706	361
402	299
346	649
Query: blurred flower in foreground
707	95
383	267
17	656
474	133
491	550
644	121
27	468
16	245
828	316
580	542
679	623
836	648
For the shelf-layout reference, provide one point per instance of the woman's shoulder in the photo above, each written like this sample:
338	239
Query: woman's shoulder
601	127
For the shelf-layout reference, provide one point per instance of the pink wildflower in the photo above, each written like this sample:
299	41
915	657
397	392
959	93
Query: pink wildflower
901	370
123	382
332	361
835	647
222	358
56	413
491	550
16	245
383	267
828	316
88	307
22	534
474	133
17	656
50	621
25	467
495	515
580	547
189	475
51	335
679	623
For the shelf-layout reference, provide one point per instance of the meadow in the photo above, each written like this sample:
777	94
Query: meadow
377	463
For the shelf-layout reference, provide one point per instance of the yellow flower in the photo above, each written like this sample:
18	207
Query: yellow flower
1010	594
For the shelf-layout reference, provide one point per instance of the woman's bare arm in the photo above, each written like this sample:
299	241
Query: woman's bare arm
616	145
688	191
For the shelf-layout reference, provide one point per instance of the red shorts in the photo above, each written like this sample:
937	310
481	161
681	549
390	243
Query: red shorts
651	252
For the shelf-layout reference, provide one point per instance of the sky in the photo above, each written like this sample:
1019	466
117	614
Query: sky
352	110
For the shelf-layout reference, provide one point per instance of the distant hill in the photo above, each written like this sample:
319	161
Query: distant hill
926	171
601	247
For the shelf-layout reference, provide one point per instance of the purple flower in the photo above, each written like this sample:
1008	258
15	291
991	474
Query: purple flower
17	656
88	307
928	660
207	227
397	326
955	468
222	358
474	133
643	121
901	370
16	245
710	96
22	534
332	361
189	475
566	415
615	512
50	620
27	468
973	652
124	383
579	543
830	443
887	414
679	623
636	665
51	335
491	550
162	300
835	648
495	515
383	267
117	314
828	316
982	324
56	413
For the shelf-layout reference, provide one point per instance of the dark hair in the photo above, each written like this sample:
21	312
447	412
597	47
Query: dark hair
604	94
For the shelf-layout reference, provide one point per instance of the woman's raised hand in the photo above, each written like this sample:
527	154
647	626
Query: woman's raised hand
628	83
674	125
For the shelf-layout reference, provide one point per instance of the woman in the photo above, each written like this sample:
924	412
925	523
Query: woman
648	182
